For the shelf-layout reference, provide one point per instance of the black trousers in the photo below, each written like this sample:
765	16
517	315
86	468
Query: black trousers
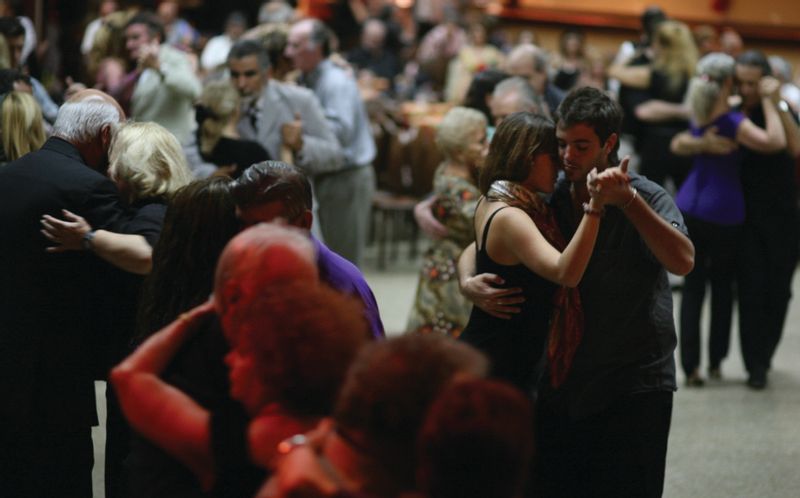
767	260
41	463
620	451
715	249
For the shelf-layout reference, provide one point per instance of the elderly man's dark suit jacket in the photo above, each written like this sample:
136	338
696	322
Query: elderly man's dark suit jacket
51	305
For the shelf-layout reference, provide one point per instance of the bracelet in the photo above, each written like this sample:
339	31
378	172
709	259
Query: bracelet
633	198
590	211
290	443
88	240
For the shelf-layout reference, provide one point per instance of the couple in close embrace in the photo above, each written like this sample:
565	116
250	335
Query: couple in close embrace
572	302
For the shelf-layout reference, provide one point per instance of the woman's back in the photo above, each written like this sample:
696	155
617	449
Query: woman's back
713	192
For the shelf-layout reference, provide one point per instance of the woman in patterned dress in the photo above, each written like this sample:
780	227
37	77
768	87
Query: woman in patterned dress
439	306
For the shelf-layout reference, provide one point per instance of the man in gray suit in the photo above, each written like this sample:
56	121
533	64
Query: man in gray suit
350	192
287	120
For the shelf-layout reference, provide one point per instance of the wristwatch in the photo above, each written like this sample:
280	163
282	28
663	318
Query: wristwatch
88	240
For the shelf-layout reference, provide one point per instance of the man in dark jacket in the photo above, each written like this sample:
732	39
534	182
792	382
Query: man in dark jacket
50	308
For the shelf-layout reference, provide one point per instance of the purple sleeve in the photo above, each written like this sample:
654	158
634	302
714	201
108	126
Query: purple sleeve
728	123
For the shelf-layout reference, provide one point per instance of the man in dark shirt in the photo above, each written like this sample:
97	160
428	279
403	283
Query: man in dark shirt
52	306
604	431
768	250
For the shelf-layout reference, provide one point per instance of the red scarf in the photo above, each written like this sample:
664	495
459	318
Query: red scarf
566	324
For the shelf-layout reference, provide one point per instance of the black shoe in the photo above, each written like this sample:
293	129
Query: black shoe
757	380
714	373
694	380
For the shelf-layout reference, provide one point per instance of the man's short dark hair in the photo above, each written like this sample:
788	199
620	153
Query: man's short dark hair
651	18
271	181
755	58
594	108
246	48
10	76
10	27
321	35
154	25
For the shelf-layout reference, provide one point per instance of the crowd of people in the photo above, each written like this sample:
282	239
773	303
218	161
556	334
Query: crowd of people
188	224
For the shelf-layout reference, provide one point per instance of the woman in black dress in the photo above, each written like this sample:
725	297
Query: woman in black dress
217	114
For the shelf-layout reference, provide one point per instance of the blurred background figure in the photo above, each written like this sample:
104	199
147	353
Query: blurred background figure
217	115
531	63
790	92
476	442
661	112
475	56
373	56
106	8
713	205
571	62
730	42
706	39
439	306
215	53
480	91
179	33
21	126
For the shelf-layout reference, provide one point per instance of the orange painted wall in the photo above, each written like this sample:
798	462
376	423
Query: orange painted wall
783	13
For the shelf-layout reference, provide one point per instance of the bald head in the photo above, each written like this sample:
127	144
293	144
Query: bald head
92	95
259	257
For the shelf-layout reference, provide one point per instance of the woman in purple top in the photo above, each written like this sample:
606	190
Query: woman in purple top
712	203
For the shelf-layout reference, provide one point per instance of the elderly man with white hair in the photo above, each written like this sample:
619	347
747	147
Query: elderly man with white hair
51	305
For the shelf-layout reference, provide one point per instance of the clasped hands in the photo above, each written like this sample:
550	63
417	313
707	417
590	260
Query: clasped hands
610	186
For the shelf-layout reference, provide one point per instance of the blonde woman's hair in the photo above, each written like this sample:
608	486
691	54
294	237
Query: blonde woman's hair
21	125
706	86
149	159
219	101
677	56
456	129
5	55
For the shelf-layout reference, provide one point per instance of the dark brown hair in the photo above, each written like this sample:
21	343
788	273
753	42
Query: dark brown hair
477	441
519	138
200	220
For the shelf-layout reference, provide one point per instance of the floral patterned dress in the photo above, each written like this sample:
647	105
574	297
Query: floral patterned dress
439	306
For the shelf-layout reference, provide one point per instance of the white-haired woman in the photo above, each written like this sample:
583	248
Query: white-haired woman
712	203
148	166
439	306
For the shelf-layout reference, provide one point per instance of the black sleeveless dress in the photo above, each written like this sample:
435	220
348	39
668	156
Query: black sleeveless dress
515	347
